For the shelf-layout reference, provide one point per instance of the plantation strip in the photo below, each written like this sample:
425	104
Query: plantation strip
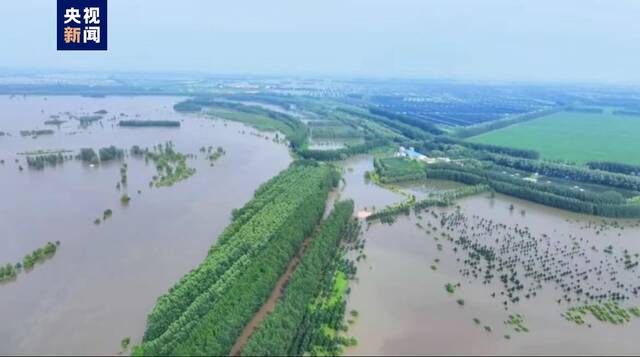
278	333
206	312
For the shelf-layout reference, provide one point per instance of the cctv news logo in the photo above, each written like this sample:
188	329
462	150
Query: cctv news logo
82	25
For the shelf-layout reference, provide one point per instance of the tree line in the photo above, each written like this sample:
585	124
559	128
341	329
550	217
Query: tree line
277	334
569	172
614	167
11	271
605	204
205	312
149	123
523	153
388	214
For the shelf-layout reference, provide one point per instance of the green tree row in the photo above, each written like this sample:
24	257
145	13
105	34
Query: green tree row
569	172
277	333
207	310
607	204
10	271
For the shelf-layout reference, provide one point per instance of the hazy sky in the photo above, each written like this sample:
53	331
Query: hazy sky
567	40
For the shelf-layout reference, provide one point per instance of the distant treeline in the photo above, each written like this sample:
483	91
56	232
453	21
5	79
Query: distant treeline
626	112
475	130
297	133
422	124
104	154
110	153
343	153
187	106
409	131
569	172
38	162
36	132
614	167
584	110
607	204
149	123
524	153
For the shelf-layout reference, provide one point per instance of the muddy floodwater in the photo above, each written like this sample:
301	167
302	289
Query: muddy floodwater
104	279
403	305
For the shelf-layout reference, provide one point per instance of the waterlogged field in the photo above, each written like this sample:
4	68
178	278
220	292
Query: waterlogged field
422	286
574	136
103	280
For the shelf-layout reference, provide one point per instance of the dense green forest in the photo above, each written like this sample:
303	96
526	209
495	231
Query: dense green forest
205	312
281	332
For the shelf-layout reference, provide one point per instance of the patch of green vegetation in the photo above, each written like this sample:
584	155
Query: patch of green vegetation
212	155
88	155
609	312
261	119
39	162
125	343
450	288
125	199
517	322
335	132
574	137
171	166
39	255
396	169
10	272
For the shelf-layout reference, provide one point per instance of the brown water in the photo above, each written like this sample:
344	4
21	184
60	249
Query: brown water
104	280
404	308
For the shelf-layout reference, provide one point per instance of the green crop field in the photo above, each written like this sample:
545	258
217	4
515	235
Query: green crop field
574	137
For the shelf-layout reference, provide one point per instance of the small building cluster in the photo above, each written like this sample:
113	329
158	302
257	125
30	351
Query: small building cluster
412	154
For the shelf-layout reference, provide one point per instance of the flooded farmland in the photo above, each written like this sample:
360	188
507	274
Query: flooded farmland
404	307
104	279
